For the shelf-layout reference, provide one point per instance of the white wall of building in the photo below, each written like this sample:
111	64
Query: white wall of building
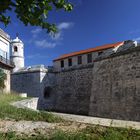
57	64
5	47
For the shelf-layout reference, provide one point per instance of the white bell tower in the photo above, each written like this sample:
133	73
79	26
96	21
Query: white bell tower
17	53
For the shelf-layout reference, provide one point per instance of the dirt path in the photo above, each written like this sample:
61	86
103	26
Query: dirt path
33	128
73	123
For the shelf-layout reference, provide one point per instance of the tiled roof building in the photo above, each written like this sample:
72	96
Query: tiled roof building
84	57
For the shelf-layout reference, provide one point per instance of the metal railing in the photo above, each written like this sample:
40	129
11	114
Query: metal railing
6	61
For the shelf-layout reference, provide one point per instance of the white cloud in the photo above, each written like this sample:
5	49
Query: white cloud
51	40
32	56
61	27
45	44
37	55
56	36
65	25
137	39
36	31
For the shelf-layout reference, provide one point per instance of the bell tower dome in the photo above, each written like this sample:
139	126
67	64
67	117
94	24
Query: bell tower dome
17	53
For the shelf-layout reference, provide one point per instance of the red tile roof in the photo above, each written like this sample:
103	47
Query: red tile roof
99	48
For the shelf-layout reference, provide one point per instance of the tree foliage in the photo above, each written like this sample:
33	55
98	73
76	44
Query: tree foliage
2	79
33	12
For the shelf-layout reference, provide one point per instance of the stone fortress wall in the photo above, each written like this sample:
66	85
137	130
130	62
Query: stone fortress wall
67	91
71	91
107	88
115	91
28	81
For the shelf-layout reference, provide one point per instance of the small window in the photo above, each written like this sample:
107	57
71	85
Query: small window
62	63
15	49
70	61
99	53
89	57
79	60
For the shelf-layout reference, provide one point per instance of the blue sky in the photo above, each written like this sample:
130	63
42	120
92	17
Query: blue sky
91	23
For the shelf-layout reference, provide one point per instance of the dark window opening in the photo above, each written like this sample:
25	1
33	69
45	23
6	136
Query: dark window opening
62	63
70	61
79	60
89	58
99	53
47	92
15	49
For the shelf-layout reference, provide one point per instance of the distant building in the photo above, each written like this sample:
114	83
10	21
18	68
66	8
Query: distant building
5	62
84	57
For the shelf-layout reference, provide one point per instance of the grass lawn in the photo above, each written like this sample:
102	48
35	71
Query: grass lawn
8	111
91	133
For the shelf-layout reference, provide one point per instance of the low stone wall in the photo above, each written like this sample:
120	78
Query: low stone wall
27	103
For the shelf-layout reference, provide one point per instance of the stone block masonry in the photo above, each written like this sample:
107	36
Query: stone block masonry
115	89
109	88
71	91
29	82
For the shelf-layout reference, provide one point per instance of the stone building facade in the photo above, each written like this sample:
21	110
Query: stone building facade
5	63
107	87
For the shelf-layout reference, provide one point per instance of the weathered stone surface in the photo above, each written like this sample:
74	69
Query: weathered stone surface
110	88
115	89
71	91
28	82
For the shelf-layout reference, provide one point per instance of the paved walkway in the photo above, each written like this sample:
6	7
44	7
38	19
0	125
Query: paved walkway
99	121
